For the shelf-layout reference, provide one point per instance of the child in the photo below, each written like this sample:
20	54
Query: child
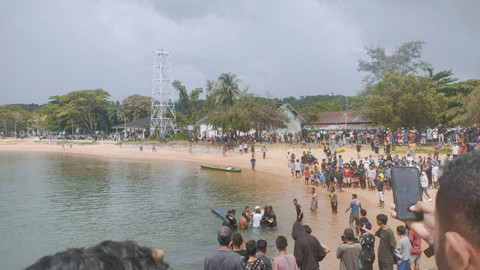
307	175
381	195
403	246
284	261
253	160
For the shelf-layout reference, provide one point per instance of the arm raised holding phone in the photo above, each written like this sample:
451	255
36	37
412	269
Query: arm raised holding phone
451	226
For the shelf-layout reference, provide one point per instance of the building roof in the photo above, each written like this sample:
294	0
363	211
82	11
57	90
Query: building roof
338	117
290	107
279	106
140	123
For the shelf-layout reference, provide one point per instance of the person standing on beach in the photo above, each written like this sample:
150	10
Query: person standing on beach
283	261
261	251
333	199
355	206
223	257
349	252
307	250
264	151
253	161
153	148
314	202
387	243
298	209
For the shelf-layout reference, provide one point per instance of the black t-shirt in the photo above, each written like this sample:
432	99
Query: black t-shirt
362	221
380	186
298	208
242	253
233	221
358	148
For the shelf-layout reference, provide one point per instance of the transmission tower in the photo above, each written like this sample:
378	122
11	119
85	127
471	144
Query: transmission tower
162	120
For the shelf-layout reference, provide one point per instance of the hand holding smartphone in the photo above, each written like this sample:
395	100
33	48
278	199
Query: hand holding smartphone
407	191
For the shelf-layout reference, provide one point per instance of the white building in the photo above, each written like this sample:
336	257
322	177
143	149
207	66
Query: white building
295	119
293	125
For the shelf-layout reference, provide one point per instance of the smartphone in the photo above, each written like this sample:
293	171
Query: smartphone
343	238
407	191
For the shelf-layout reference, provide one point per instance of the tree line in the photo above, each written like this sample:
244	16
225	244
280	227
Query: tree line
226	106
400	90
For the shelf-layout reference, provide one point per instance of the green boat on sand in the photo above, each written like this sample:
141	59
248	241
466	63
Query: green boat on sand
223	169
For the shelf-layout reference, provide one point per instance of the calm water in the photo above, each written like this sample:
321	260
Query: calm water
51	202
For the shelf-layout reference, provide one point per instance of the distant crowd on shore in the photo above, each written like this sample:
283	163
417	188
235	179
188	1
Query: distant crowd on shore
380	136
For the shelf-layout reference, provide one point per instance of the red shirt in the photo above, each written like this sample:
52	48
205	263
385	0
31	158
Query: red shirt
347	172
416	242
307	173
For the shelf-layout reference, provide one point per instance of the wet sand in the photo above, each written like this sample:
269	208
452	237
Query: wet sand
326	227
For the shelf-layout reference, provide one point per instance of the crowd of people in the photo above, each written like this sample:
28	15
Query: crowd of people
401	136
449	226
259	218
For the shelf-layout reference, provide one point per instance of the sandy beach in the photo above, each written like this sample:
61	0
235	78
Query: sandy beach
274	166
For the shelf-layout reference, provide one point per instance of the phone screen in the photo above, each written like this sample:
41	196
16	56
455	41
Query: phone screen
407	191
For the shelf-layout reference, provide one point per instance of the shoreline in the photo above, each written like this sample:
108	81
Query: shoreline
274	167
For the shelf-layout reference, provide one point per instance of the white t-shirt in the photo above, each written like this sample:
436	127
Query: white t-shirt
371	174
256	220
455	149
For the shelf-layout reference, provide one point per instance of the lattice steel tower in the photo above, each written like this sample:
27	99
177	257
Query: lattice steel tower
162	121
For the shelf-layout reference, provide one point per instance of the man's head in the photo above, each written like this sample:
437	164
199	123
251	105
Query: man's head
244	214
106	255
363	212
354	196
281	242
382	219
237	239
349	235
251	247
295	202
262	246
224	236
458	214
401	230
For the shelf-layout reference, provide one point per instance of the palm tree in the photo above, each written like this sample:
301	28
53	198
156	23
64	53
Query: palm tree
226	89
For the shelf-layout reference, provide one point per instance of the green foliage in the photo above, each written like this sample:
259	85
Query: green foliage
187	103
226	89
468	111
84	108
399	101
28	107
405	60
249	113
134	107
180	137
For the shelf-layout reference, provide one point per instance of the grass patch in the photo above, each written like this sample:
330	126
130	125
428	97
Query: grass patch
76	142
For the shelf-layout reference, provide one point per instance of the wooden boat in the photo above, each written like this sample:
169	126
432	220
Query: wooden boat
223	169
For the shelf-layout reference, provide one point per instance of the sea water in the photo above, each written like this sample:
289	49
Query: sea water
52	202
